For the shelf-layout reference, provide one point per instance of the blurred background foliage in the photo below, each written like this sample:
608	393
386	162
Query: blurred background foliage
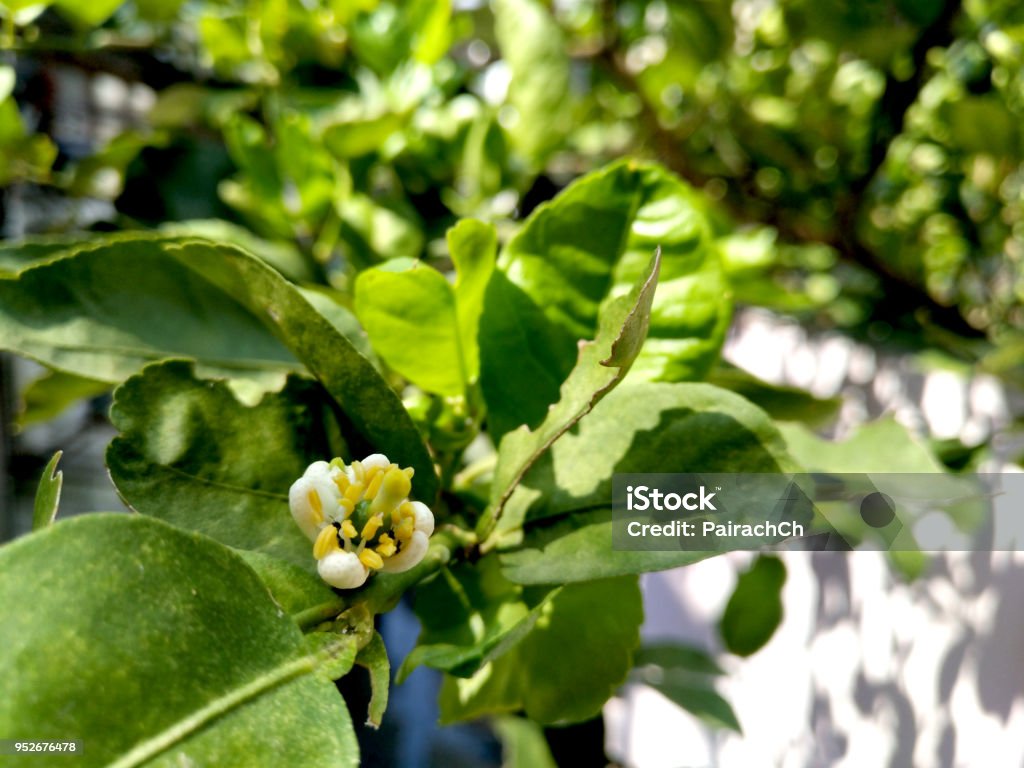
863	160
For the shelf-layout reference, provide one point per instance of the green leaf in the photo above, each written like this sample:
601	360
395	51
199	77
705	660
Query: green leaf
602	365
355	137
408	311
532	45
420	324
589	246
48	494
473	246
104	310
524	358
90	14
284	257
566	668
780	402
191	454
374	657
556	527
682	674
303	595
52	393
434	33
703	701
754	611
523	743
471	615
881	446
674	656
16	255
155	646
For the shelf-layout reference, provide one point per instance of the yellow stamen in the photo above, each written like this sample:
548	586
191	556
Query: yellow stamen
314	504
409	472
403	531
375	483
358	471
371	527
371	559
347	505
393	490
386	547
355	493
341	480
348	530
326	542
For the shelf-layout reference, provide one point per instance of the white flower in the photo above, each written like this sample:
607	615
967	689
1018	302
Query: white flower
360	519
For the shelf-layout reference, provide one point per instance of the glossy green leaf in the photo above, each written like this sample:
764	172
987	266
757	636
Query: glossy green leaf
556	527
473	246
369	404
754	611
590	245
191	454
104	310
575	657
111	308
44	512
470	614
408	311
602	365
524	358
533	46
158	647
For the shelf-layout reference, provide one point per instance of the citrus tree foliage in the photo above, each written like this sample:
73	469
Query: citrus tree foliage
500	244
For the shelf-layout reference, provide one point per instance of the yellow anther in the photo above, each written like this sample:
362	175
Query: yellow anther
355	493
403	531
375	483
314	504
326	542
371	559
393	490
409	472
341	480
348	530
386	547
347	505
358	471
371	527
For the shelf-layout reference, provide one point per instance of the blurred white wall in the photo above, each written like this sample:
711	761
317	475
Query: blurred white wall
866	669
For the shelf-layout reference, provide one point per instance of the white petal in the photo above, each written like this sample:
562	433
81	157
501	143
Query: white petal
412	552
424	517
375	460
317	478
342	570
